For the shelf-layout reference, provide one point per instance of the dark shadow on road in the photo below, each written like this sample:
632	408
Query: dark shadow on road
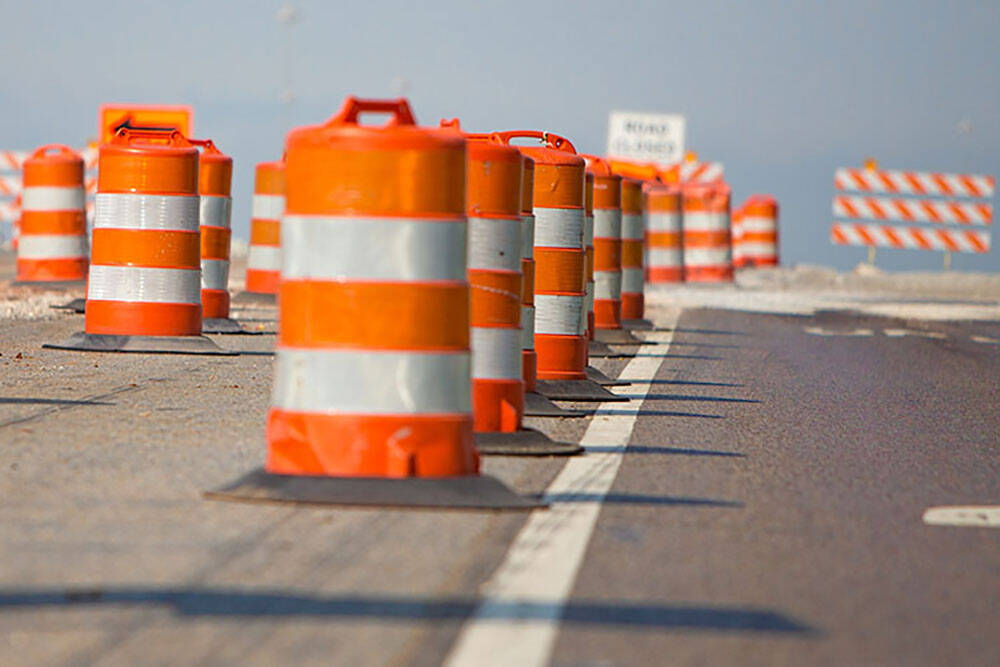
653	449
684	397
711	332
702	357
638	499
685	382
201	602
658	413
256	353
47	401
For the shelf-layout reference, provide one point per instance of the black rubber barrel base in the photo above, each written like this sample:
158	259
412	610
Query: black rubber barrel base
78	306
576	390
525	442
224	325
51	284
600	378
638	324
255	298
615	337
468	492
140	344
603	351
536	405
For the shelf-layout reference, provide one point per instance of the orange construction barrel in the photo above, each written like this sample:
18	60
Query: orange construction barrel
372	391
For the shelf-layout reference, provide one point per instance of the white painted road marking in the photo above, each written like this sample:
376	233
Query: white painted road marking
820	331
984	516
986	340
518	619
899	333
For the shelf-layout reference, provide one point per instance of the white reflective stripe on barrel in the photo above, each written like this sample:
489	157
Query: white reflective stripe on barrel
588	231
153	212
144	284
268	207
632	280
704	222
494	244
608	285
753	249
52	198
664	222
51	246
607	223
757	224
558	314
215	210
632	227
214	274
528	236
559	228
700	257
358	382
527	327
264	258
496	353
665	257
363	248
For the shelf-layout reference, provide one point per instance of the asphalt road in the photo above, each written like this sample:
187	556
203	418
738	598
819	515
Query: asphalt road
766	511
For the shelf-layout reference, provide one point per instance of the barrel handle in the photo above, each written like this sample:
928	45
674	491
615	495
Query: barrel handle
62	149
354	106
207	144
171	137
548	138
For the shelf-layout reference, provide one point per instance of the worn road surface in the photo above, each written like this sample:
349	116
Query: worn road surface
759	501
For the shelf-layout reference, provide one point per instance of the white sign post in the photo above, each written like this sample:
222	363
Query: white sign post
646	137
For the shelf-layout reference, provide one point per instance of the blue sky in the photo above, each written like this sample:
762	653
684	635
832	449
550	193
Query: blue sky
781	92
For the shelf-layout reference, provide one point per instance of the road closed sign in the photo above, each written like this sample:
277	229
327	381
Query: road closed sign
646	137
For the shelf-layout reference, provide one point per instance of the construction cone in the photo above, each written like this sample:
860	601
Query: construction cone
633	277
607	259
371	401
560	269
707	241
144	285
264	257
663	233
215	176
494	174
52	247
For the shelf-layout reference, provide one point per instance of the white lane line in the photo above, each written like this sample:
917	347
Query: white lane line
820	331
517	621
986	340
899	333
984	516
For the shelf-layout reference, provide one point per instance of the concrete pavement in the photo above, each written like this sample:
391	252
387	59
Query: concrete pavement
766	511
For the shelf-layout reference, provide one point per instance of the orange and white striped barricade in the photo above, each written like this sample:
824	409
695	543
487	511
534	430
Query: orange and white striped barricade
707	246
560	268
607	258
758	232
736	236
144	284
663	233
535	405
633	277
494	173
588	248
215	176
52	248
372	388
264	255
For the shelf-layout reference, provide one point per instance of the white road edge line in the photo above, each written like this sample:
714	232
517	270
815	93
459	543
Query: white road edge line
976	516
518	617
